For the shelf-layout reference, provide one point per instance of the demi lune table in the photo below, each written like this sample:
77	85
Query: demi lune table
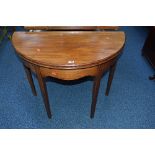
69	55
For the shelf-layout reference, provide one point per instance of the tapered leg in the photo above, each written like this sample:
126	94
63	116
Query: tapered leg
29	77
43	89
110	78
96	86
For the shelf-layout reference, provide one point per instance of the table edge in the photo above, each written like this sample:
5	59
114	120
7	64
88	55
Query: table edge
82	66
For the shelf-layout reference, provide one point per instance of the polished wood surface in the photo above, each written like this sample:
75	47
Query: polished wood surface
71	28
69	55
68	49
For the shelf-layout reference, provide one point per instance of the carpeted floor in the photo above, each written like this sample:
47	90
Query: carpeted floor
130	104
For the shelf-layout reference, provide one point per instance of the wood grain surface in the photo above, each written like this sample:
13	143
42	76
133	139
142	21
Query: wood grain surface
68	50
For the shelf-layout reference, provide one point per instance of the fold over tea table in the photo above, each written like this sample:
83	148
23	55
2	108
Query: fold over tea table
69	55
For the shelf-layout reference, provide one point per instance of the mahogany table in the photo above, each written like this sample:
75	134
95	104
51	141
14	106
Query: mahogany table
69	55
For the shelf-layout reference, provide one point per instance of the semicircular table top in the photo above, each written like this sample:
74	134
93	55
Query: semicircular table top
68	49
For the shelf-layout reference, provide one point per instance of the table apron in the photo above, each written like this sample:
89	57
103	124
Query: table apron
71	74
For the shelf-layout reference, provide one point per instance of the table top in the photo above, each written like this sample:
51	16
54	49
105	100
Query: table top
68	49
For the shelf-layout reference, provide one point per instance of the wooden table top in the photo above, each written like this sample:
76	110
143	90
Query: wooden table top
68	49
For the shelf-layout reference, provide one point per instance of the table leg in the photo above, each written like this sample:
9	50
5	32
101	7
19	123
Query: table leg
30	79
96	86
43	89
110	78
